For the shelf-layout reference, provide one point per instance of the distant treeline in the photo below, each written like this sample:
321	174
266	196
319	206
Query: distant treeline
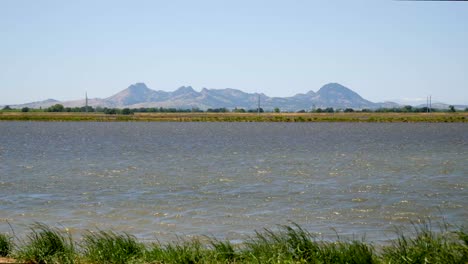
129	111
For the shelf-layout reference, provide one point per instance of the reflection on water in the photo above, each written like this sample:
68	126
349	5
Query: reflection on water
159	180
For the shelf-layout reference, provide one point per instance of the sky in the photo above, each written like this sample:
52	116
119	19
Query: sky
382	49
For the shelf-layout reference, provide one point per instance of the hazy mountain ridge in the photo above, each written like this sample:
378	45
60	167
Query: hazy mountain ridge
139	95
38	104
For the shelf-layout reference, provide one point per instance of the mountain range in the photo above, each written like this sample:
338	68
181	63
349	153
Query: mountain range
139	95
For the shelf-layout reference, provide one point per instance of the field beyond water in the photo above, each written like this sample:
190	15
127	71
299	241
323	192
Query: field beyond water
239	117
286	244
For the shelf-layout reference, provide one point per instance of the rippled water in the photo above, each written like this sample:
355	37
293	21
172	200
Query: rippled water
161	180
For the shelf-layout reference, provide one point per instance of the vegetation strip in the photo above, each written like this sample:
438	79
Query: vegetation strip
238	117
287	244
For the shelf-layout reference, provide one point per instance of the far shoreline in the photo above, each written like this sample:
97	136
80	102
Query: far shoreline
458	117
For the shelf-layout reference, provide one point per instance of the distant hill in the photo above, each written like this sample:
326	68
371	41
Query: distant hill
38	104
139	95
438	105
330	95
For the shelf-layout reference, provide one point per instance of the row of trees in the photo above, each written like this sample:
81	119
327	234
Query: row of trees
404	109
128	111
411	109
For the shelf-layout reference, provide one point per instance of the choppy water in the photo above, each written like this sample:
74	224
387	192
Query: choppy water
161	180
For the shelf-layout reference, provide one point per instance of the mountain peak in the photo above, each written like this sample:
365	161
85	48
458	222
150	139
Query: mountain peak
137	92
185	89
138	87
336	87
338	95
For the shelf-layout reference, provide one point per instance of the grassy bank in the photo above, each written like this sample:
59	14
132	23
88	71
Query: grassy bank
286	244
239	117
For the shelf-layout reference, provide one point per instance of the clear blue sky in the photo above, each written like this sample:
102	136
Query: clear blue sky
382	49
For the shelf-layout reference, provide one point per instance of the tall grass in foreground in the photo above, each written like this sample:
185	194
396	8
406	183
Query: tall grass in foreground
109	247
47	245
295	245
5	245
427	246
286	244
180	252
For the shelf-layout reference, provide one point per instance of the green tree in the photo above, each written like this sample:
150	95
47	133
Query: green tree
407	108
55	108
452	109
239	110
88	108
348	110
126	111
25	109
276	110
7	107
110	111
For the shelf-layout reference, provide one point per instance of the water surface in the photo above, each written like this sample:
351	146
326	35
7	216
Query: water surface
161	180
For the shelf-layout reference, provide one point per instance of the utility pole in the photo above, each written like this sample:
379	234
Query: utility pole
430	103
258	107
427	104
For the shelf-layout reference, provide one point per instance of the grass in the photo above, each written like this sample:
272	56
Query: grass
286	244
5	245
292	244
47	245
224	250
427	246
109	247
463	235
180	252
238	117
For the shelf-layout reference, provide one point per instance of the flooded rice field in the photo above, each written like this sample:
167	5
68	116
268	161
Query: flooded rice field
159	181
